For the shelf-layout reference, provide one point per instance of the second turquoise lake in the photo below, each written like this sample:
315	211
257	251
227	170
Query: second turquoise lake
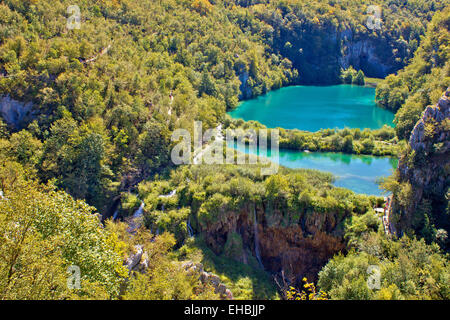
312	108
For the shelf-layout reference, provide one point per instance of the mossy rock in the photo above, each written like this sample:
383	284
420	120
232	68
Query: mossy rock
234	247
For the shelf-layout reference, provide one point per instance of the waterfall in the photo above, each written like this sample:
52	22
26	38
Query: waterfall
255	229
116	213
134	223
171	194
139	211
189	229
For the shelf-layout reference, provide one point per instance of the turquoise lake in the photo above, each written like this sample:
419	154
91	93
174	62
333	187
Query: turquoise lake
358	173
312	108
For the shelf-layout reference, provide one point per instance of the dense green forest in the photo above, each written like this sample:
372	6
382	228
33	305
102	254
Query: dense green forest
85	134
321	36
422	82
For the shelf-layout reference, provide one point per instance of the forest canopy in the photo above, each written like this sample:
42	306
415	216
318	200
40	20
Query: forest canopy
87	114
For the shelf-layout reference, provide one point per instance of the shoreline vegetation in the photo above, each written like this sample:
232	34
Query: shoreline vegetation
81	137
372	82
379	142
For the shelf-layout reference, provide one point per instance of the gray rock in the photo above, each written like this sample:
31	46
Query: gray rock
208	278
14	112
135	259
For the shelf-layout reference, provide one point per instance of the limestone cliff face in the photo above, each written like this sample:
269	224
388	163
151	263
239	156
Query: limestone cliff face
437	116
319	54
280	242
369	55
246	90
426	168
15	113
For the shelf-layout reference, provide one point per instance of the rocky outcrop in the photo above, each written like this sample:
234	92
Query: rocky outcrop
138	260
435	116
425	167
319	52
197	270
368	55
15	113
245	89
285	243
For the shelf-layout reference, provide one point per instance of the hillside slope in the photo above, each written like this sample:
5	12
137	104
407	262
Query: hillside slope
421	197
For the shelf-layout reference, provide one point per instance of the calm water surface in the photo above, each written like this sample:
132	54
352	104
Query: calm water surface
358	173
312	108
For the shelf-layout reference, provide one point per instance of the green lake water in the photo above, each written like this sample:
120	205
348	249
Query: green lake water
312	108
358	173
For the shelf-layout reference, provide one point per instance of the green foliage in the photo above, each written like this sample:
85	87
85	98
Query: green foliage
351	76
172	221
244	281
107	97
164	279
129	202
42	233
77	157
379	142
420	83
276	186
207	195
309	292
315	35
359	78
153	146
348	74
409	269
358	227
234	248
212	208
25	148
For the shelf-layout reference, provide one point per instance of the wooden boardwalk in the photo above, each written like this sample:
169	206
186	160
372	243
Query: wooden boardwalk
388	227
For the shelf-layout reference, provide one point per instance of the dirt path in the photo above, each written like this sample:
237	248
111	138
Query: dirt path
219	137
